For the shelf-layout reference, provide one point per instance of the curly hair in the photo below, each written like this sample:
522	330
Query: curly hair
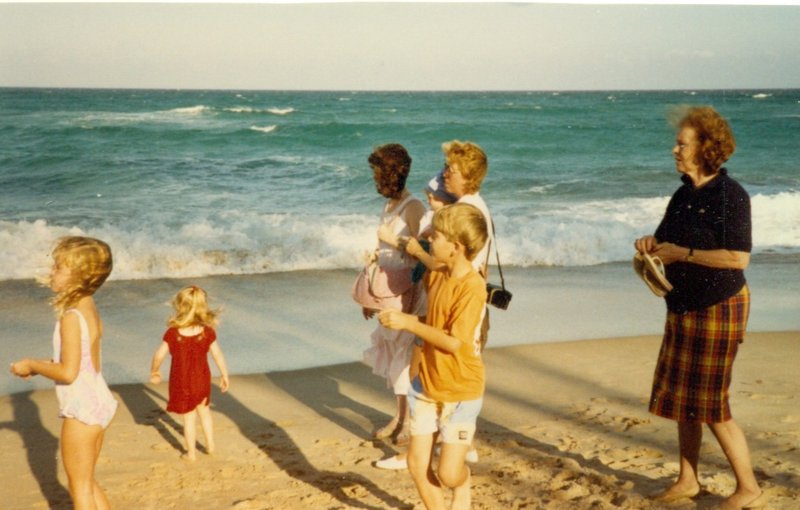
391	164
90	262
470	160
714	136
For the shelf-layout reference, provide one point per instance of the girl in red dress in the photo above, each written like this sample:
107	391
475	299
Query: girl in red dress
189	339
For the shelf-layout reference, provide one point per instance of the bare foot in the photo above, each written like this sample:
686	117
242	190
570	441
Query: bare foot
744	500
677	491
189	457
462	495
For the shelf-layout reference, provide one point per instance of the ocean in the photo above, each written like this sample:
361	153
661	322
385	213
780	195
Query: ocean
266	200
186	183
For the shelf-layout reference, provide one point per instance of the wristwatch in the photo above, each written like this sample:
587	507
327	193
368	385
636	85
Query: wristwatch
690	256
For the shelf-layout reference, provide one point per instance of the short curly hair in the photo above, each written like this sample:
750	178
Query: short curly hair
714	135
470	160
391	164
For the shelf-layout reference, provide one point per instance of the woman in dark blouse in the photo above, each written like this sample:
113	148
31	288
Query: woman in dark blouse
704	240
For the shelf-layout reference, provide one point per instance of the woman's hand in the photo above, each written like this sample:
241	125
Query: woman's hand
224	383
669	252
155	378
22	368
645	244
394	319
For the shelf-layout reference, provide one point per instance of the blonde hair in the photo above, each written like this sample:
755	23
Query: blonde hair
463	224
471	162
191	309
89	261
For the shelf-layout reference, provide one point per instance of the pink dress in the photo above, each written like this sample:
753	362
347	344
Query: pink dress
390	351
87	398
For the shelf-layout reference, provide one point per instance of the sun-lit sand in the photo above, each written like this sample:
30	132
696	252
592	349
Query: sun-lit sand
564	426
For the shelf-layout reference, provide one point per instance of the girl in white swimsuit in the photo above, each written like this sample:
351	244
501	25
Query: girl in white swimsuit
80	266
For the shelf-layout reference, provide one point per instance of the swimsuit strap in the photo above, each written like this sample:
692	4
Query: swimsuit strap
86	346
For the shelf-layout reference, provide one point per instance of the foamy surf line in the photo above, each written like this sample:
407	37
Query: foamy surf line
242	242
301	319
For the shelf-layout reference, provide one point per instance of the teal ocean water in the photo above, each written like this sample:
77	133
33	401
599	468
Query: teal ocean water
195	183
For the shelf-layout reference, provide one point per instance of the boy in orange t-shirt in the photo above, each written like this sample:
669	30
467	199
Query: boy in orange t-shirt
447	372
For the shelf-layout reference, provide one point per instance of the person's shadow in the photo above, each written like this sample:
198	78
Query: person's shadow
41	448
148	408
276	444
320	391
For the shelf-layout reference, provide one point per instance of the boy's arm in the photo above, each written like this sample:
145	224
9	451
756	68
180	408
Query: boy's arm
393	319
155	365
219	359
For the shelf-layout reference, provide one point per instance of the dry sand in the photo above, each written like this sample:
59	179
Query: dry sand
564	426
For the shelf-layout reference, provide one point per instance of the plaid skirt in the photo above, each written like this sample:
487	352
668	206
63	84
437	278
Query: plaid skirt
694	367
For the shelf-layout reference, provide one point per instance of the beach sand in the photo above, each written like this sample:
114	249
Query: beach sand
564	426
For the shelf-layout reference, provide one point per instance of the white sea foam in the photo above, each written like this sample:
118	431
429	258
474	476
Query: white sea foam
280	111
240	242
264	129
250	109
192	110
761	96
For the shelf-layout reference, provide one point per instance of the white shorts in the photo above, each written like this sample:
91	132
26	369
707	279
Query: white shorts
455	421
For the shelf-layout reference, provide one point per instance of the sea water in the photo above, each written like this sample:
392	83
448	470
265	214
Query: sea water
194	183
187	184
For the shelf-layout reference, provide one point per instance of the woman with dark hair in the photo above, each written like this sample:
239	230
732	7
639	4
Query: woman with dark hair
704	240
390	353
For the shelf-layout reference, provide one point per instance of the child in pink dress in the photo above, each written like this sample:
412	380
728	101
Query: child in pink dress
80	266
189	339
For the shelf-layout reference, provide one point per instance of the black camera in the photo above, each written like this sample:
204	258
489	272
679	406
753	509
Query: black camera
497	296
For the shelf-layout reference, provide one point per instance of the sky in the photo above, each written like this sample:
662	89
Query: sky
400	46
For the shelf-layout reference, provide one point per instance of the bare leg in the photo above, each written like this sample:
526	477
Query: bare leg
734	445
420	452
208	426
100	499
190	434
690	436
454	474
79	450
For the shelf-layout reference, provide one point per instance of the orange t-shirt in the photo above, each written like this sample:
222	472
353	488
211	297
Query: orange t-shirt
455	306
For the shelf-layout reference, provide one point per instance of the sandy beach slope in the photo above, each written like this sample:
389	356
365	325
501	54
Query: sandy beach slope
564	426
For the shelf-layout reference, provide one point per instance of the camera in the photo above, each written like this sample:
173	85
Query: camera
497	296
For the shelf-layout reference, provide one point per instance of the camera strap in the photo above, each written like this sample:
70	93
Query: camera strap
497	255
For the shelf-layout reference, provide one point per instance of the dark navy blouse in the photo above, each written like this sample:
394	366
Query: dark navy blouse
714	216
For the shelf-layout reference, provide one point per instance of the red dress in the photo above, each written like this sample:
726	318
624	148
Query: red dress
189	374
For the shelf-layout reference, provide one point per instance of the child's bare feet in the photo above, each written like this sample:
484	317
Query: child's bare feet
189	457
462	495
